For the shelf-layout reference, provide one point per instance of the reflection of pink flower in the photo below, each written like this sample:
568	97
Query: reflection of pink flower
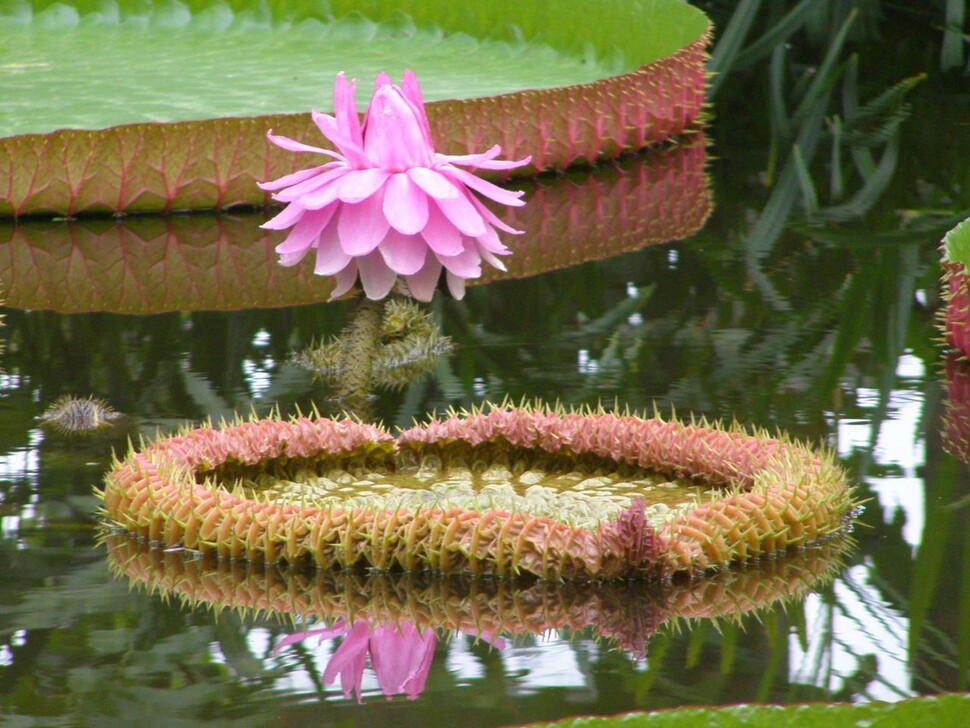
389	205
399	653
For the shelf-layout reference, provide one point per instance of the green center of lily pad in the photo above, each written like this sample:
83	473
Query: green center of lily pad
87	64
580	491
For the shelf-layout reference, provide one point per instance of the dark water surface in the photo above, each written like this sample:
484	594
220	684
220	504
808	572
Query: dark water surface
825	329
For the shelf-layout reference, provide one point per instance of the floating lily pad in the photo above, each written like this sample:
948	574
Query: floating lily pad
509	491
538	78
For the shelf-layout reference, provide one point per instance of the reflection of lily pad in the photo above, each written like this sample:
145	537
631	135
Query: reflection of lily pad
627	613
633	77
205	262
526	491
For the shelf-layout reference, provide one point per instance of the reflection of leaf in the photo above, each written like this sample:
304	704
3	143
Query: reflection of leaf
149	265
204	262
215	163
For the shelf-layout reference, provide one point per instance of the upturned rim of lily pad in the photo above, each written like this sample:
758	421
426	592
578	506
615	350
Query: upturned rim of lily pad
216	163
773	495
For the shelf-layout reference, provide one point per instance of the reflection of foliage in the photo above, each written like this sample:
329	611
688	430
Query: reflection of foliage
807	49
410	343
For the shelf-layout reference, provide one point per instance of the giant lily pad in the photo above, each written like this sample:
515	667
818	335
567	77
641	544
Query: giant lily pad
151	264
545	81
507	491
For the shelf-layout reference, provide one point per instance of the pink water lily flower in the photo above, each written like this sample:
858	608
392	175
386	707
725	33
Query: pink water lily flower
388	206
399	652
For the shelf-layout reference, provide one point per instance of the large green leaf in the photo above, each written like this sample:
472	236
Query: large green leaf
941	711
534	77
956	244
149	264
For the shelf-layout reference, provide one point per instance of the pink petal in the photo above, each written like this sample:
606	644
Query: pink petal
487	256
412	92
287	217
292	145
381	80
443	237
304	234
292	179
352	152
405	205
463	215
491	218
338	629
422	284
467	264
404	254
345	109
359	184
483	160
362	226
375	277
456	284
401	657
346	279
395	133
348	661
310	191
490	241
433	182
331	258
493	192
412	89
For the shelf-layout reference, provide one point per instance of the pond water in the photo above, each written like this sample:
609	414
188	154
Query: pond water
827	331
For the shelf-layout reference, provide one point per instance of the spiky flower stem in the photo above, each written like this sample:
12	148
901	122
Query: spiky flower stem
773	495
358	349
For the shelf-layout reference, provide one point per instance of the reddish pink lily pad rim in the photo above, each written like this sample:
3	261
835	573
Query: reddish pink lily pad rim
215	164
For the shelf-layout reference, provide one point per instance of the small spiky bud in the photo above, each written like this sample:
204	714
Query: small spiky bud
77	415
